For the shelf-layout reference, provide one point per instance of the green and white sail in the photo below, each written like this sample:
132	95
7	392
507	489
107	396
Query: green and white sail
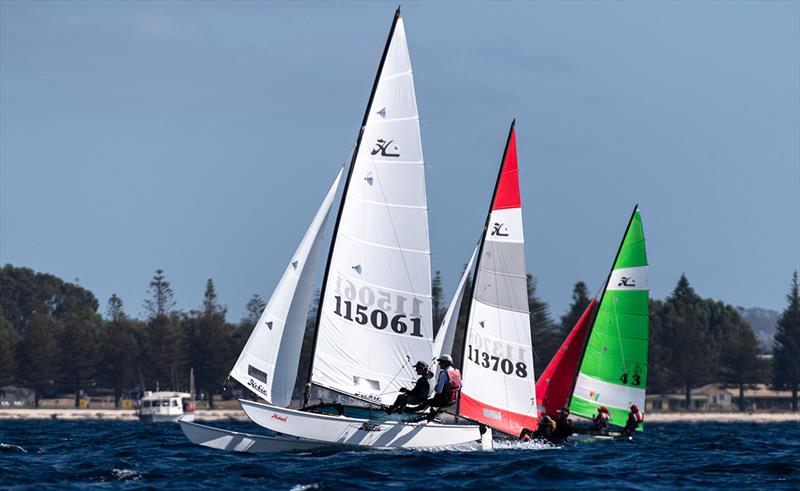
613	372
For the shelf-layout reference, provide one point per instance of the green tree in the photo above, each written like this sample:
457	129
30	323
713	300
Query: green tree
739	355
786	365
685	327
544	332
79	350
208	345
580	300
163	353
119	350
37	354
8	343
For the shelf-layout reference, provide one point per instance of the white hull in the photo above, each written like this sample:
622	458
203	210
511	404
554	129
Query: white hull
234	441
355	431
165	418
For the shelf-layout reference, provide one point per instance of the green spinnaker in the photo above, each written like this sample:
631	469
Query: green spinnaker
613	371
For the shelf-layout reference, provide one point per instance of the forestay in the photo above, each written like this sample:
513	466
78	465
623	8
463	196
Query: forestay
498	382
443	344
613	372
269	361
376	317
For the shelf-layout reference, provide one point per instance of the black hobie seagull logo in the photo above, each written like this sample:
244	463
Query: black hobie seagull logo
627	281
499	230
383	146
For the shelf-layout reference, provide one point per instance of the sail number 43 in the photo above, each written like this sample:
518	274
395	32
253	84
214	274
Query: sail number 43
361	314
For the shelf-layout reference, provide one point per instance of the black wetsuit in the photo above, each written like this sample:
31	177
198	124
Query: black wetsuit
416	395
563	430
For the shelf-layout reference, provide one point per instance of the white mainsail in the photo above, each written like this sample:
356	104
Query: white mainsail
443	344
375	316
269	361
498	380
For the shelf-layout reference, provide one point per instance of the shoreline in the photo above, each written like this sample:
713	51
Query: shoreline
211	415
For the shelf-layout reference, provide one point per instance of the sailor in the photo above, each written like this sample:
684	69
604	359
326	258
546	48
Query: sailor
635	418
601	420
448	385
563	426
545	430
418	394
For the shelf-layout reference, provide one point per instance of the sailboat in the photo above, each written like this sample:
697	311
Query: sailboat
498	380
603	361
374	317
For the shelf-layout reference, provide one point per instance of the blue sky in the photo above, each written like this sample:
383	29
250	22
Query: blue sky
200	137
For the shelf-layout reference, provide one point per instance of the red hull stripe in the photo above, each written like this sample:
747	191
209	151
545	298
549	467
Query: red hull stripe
499	419
555	383
508	188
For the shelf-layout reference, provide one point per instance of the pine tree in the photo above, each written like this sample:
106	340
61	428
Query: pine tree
580	300
739	355
79	351
37	354
208	344
544	335
163	354
8	343
786	366
119	350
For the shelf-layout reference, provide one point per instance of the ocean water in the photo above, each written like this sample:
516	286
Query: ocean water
132	455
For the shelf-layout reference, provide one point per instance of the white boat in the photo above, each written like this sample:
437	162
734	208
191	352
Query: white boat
235	441
166	406
375	308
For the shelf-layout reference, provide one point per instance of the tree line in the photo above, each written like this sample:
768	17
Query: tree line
52	338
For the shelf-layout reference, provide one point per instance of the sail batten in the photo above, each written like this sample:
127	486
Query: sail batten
498	381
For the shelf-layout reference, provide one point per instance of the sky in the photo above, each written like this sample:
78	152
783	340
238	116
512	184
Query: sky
200	138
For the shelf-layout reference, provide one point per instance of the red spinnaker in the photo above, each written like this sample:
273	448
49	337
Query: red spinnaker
554	386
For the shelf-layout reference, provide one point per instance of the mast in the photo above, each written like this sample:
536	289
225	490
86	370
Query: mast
600	303
342	202
483	240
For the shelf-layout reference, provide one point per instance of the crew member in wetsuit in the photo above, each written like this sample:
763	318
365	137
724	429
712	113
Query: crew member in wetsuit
418	394
601	420
635	418
563	426
448	385
544	431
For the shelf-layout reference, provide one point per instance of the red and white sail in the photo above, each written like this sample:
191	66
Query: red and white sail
268	363
498	379
376	316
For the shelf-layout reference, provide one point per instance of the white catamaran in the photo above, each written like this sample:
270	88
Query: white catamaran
375	310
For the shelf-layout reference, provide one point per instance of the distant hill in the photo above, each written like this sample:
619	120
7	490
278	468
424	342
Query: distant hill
763	322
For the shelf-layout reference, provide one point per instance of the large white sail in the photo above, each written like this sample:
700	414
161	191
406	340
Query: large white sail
443	344
269	361
376	316
498	380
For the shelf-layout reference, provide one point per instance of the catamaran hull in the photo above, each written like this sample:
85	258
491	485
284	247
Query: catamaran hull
234	441
355	431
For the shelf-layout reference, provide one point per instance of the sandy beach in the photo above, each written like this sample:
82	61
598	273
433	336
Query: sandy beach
238	415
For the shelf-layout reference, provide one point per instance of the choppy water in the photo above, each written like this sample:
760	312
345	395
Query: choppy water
132	455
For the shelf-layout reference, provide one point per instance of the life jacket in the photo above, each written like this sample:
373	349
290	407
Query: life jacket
637	416
602	416
453	385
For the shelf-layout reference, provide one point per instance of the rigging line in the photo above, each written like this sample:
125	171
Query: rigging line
619	334
408	360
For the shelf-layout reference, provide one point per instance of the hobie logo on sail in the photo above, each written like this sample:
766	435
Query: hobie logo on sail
627	281
386	148
499	230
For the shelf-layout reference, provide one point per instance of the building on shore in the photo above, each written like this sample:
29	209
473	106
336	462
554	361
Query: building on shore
722	398
15	396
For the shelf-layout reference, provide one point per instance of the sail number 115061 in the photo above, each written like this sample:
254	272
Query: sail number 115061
377	318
